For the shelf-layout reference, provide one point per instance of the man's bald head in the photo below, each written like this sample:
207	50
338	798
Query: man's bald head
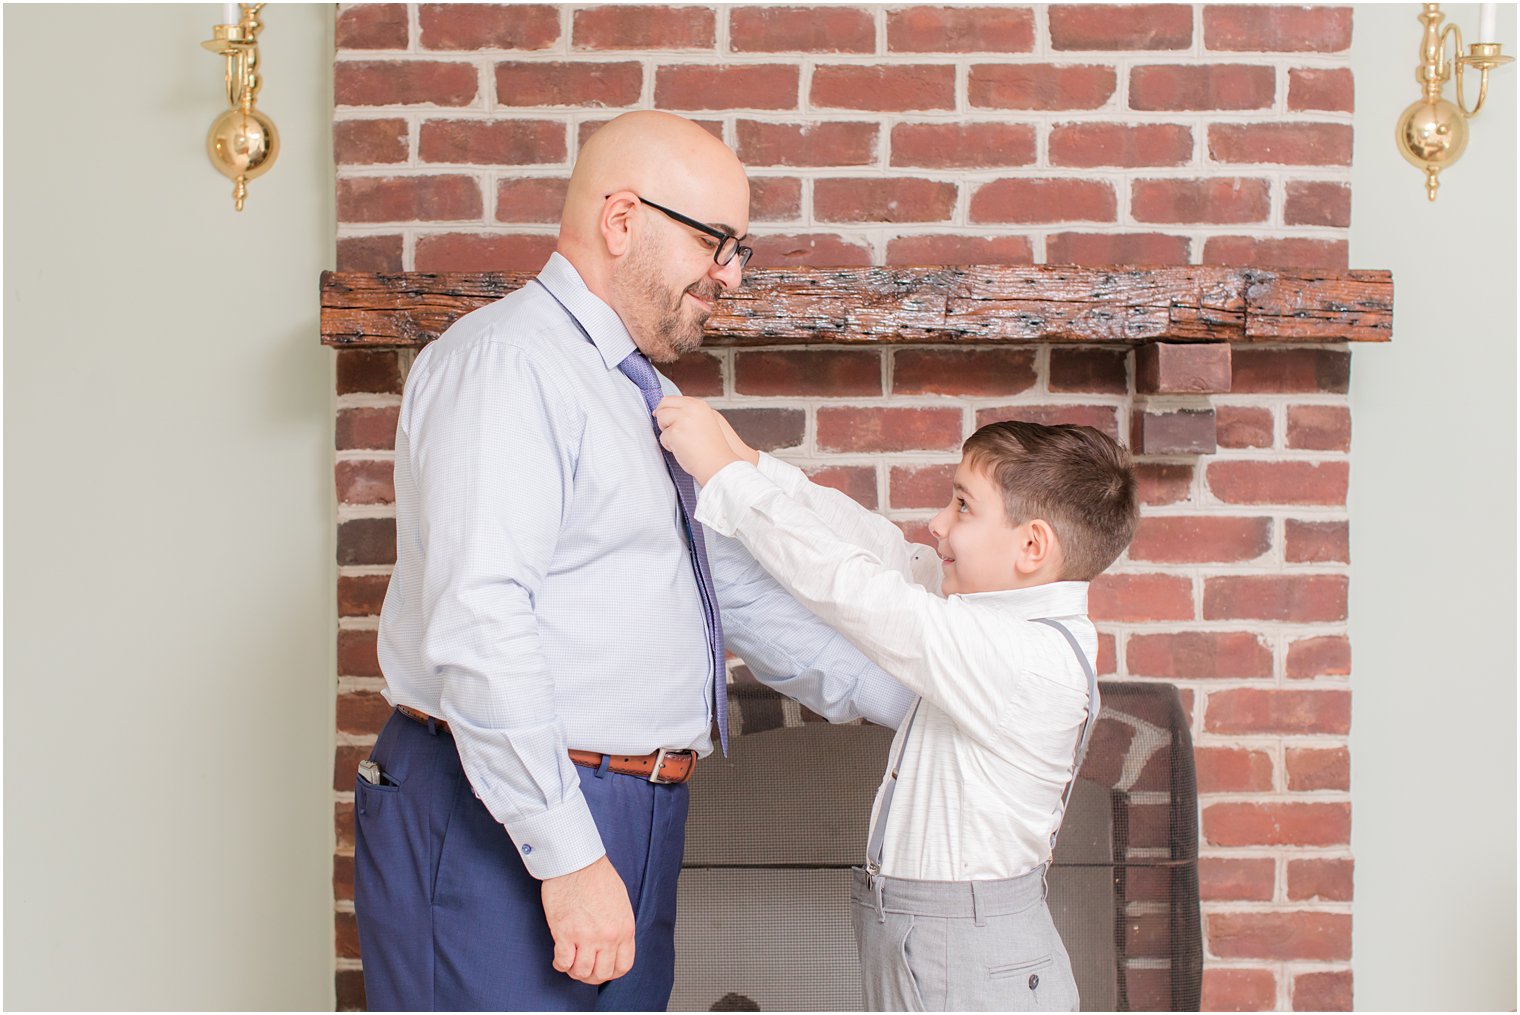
655	268
664	157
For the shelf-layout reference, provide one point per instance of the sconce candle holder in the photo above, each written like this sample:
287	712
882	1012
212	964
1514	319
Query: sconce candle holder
242	143
1432	133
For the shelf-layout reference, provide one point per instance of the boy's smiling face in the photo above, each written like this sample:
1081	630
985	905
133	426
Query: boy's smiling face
978	548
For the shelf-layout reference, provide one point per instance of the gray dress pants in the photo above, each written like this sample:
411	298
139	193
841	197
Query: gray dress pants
959	945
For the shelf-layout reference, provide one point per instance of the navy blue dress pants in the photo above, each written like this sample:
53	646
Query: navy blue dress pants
450	919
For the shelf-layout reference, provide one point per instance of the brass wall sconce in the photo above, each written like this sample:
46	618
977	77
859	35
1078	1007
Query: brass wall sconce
242	142
1432	133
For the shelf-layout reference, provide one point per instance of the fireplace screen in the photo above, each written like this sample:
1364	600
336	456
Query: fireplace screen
764	897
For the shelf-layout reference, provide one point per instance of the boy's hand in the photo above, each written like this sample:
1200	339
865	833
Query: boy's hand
693	431
740	448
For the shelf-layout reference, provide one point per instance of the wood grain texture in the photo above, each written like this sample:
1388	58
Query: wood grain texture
960	304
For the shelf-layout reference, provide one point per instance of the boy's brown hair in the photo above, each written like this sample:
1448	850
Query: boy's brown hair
1077	479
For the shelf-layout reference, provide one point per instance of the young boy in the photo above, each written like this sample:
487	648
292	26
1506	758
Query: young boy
992	633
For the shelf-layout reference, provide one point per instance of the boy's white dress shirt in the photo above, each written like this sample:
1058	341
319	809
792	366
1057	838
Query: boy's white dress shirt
1003	698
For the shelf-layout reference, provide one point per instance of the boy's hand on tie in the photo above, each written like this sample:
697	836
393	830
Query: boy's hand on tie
591	921
693	431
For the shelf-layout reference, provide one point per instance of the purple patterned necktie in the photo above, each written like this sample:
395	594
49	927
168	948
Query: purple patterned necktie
640	371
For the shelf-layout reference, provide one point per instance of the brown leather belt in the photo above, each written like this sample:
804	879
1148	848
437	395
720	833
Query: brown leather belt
665	767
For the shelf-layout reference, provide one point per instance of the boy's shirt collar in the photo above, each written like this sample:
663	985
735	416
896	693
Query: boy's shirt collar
599	321
1055	599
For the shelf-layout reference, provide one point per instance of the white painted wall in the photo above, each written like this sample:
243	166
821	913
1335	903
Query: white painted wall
1433	546
168	520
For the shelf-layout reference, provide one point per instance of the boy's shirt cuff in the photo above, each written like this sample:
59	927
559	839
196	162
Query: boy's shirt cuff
729	492
783	474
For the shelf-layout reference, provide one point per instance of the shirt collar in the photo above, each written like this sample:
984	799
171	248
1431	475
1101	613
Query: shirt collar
599	321
1056	599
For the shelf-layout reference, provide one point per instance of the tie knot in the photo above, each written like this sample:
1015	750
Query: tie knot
637	368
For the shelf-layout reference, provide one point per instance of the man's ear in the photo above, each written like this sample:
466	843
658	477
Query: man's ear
1040	547
616	221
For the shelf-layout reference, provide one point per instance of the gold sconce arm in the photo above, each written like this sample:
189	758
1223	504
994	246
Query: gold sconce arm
242	143
1484	57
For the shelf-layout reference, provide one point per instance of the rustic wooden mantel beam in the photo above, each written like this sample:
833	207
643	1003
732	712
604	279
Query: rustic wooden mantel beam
970	303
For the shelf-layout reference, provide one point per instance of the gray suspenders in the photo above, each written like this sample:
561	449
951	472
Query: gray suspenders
1087	724
879	829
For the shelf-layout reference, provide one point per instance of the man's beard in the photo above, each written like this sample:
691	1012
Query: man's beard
664	331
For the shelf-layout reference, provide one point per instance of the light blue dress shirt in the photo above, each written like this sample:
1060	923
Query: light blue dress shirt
543	595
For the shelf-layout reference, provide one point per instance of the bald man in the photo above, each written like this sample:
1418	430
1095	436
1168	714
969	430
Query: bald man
551	638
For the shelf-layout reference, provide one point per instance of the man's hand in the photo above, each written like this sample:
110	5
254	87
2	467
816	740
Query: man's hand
693	431
592	923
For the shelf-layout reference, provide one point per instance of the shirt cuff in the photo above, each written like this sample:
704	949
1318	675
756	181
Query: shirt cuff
558	841
783	474
728	492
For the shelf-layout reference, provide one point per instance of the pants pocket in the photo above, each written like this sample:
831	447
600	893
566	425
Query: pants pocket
391	851
1022	965
886	974
386	836
1035	985
1032	967
370	797
910	987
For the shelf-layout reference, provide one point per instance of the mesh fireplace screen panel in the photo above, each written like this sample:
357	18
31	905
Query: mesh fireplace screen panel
763	918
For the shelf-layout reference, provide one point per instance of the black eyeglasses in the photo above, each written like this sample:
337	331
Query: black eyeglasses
728	243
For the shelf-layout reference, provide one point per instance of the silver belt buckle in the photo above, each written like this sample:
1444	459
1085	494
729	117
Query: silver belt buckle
659	762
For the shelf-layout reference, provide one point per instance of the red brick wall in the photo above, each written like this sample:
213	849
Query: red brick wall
1094	134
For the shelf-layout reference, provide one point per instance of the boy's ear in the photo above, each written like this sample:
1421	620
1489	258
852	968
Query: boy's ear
1040	546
